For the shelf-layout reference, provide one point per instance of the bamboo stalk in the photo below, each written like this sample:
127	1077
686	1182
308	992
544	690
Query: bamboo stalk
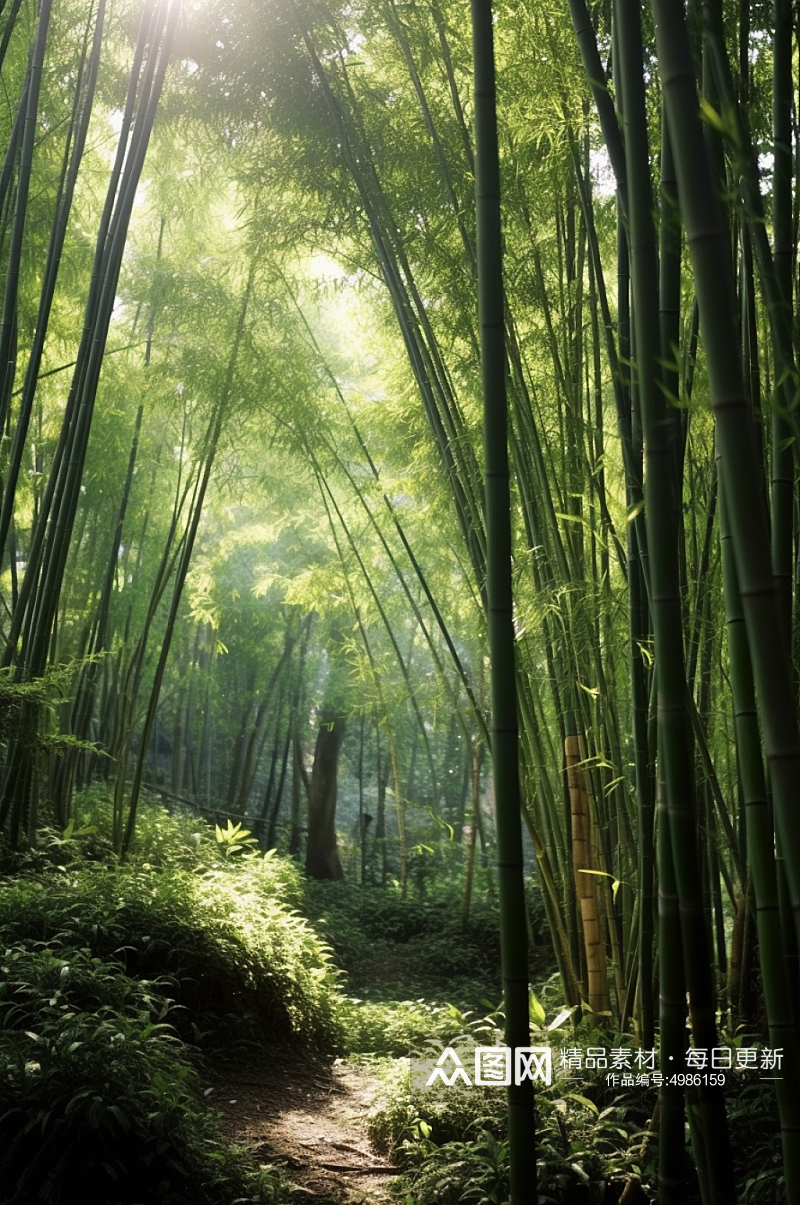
675	757
584	866
739	470
505	736
777	994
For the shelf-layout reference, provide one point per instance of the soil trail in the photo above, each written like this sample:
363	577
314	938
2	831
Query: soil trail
307	1120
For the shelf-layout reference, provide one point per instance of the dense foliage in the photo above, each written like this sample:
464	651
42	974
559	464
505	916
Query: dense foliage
115	979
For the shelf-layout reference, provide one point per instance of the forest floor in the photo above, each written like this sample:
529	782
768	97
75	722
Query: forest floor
306	1120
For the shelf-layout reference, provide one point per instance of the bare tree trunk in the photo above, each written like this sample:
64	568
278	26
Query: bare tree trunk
475	761
380	824
299	778
322	855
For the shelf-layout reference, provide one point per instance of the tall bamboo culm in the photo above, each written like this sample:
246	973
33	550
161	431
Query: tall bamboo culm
504	730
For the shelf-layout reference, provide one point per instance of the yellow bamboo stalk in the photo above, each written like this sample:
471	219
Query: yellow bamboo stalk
586	884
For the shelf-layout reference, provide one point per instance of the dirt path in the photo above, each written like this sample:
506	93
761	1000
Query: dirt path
307	1120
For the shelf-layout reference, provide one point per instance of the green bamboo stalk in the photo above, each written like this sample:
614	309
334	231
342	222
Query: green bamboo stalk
739	471
669	306
296	704
636	562
772	273
327	500
782	485
452	86
73	156
445	174
596	77
8	30
8	325
672	1011
116	731
675	756
618	374
242	780
88	371
34	617
271	801
423	581
640	634
84	700
777	993
367	577
38	595
415	564
427	363
505	736
213	434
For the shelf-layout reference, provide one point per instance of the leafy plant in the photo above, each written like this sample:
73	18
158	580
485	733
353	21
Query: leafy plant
473	1171
220	940
96	1090
234	839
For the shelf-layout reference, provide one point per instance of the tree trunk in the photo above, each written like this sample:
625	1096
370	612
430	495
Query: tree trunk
322	855
299	779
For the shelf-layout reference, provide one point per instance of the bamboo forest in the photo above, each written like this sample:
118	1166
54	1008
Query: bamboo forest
399	602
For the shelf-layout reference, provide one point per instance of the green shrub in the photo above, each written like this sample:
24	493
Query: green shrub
400	1026
96	1091
453	1143
474	1170
411	1122
224	944
754	1124
112	975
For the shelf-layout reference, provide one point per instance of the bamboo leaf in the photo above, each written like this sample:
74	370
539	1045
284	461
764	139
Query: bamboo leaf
712	117
563	1016
537	1012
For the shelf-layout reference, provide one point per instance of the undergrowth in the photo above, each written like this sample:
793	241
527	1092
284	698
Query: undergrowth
96	1090
116	982
381	940
222	944
591	1138
119	983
